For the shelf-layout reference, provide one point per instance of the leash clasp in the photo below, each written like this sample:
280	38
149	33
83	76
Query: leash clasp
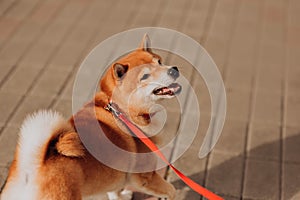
111	107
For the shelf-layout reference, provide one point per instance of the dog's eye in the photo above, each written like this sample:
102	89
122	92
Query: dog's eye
145	76
159	61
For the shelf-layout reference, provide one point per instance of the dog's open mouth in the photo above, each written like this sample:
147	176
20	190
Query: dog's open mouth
170	90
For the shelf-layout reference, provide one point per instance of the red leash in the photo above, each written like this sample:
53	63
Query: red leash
113	108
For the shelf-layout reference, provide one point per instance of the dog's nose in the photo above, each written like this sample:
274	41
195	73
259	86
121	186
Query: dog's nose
173	72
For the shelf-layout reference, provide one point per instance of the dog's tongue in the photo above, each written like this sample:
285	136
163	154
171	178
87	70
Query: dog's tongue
172	89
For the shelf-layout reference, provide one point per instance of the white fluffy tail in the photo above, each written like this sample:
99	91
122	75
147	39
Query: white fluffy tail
36	132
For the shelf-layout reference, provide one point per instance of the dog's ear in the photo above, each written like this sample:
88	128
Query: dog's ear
145	43
120	70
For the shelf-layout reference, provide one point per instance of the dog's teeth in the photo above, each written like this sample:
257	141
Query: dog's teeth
171	90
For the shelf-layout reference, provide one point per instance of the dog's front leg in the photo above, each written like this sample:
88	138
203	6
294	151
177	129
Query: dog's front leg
113	196
153	184
123	195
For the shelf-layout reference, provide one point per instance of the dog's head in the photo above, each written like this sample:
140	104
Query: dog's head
136	81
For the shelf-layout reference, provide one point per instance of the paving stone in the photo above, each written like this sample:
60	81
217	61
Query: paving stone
112	22
274	16
189	162
291	181
167	19
8	140
238	104
192	131
49	83
245	35
262	180
239	76
3	175
17	83
65	68
25	35
195	21
54	33
267	108
293	8
215	47
202	93
8	102
141	20
22	9
293	110
271	72
98	11
222	21
77	41
68	55
7	27
264	142
224	174
189	168
291	144
59	27
4	71
28	32
241	60
230	197
194	170
293	82
271	56
5	5
269	82
232	139
68	90
38	55
69	13
292	58
169	129
46	11
29	105
13	52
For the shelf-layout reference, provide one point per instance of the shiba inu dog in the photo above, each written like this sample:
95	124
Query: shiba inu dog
51	163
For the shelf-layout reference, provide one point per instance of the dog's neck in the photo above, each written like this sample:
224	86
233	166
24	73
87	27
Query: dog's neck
140	116
101	99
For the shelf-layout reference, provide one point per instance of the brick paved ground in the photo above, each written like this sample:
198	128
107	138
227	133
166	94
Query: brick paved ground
255	44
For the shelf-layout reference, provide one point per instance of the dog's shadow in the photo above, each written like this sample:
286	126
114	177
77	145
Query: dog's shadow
290	183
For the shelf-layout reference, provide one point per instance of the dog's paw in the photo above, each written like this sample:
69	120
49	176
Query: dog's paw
123	195
113	196
171	193
126	194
